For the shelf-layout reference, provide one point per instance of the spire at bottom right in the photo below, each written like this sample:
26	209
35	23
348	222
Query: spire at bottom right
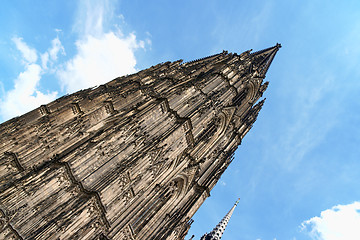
218	231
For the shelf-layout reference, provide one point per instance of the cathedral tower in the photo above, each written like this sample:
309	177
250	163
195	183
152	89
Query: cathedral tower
133	158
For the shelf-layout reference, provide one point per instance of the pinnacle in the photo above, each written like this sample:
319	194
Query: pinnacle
256	109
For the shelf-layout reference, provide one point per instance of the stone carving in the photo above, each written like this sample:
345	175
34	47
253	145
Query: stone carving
75	108
44	110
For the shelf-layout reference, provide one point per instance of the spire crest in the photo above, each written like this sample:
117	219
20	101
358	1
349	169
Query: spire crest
263	59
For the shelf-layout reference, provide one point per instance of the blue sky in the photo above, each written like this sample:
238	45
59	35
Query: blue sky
297	171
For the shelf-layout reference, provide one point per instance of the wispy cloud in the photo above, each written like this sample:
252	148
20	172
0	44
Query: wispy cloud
338	223
29	54
222	182
56	48
51	55
99	60
319	91
103	51
309	108
93	17
25	94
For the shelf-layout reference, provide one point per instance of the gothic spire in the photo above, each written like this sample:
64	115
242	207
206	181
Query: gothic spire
263	58
218	231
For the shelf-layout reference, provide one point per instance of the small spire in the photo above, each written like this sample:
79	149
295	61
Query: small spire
218	231
252	115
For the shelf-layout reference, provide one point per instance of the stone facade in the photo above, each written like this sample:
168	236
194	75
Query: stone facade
133	158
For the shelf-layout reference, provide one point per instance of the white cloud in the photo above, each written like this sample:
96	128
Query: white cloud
92	16
25	96
51	55
102	54
56	48
29	54
341	222
99	60
44	60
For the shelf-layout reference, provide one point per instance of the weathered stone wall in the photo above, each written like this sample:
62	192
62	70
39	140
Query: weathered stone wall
131	159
